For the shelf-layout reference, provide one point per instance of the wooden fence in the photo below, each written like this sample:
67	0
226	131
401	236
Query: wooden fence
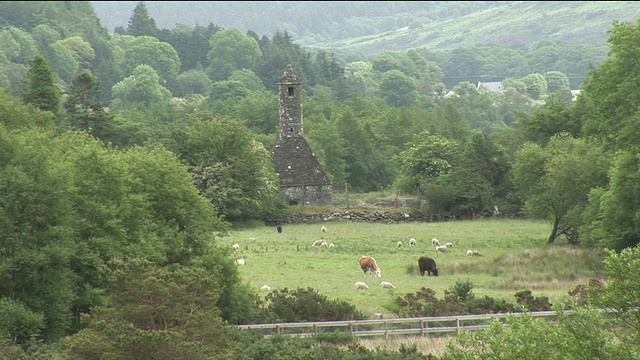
420	326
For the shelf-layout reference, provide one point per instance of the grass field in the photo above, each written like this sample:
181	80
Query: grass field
515	257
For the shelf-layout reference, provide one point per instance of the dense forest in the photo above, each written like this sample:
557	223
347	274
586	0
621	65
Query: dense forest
125	156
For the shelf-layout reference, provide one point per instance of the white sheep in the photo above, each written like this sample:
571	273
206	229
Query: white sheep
235	246
399	244
387	285
473	253
449	245
240	262
323	229
442	248
412	242
319	242
331	245
361	285
324	245
265	287
435	242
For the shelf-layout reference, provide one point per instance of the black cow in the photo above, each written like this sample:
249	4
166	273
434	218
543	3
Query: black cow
279	228
427	265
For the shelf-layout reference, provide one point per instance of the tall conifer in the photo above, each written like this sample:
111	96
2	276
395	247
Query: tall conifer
40	87
140	23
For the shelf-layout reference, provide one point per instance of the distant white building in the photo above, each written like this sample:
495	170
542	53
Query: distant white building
491	86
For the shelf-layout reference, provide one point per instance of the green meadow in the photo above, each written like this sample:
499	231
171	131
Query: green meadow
515	257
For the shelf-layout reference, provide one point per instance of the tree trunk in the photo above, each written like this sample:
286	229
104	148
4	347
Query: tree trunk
554	232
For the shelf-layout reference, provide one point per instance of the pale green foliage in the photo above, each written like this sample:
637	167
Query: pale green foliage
536	85
427	157
81	50
622	291
143	86
397	89
17	45
555	181
613	212
231	50
585	334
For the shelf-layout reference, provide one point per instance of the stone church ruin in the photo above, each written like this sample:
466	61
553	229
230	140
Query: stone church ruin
303	181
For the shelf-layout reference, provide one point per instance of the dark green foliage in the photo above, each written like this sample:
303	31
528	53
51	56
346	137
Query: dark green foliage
140	23
459	299
305	305
84	110
40	88
531	303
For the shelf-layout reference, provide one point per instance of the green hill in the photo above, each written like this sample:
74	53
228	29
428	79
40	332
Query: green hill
374	27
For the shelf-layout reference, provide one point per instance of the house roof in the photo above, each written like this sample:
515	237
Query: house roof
491	86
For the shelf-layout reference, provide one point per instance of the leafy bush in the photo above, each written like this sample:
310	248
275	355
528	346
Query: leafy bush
304	305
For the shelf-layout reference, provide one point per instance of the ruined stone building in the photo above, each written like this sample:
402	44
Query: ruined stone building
302	178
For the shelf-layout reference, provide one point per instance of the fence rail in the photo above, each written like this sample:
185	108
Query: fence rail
385	327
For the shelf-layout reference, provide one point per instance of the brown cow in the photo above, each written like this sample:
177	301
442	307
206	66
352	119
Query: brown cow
368	263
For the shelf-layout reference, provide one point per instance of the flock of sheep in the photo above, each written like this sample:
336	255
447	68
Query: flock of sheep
360	285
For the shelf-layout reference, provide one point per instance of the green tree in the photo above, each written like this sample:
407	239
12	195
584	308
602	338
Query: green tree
557	81
397	89
555	118
536	85
585	334
150	51
157	312
555	181
83	107
142	87
194	82
140	23
37	225
231	50
480	175
611	97
622	292
41	89
231	169
425	158
612	216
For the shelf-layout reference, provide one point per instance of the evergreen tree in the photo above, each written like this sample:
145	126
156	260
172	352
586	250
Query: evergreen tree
140	23
40	88
83	107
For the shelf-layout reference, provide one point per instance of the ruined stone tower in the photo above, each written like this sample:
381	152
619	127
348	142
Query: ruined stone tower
302	178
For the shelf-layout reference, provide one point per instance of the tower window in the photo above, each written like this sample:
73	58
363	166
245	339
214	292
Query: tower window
290	89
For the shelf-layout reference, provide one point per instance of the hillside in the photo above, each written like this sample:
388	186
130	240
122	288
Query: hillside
359	26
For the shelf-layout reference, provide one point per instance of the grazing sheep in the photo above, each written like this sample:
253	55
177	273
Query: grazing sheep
324	245
331	245
449	245
412	242
442	248
319	242
399	244
235	246
361	285
387	285
473	253
265	287
469	252
435	242
240	262
323	229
